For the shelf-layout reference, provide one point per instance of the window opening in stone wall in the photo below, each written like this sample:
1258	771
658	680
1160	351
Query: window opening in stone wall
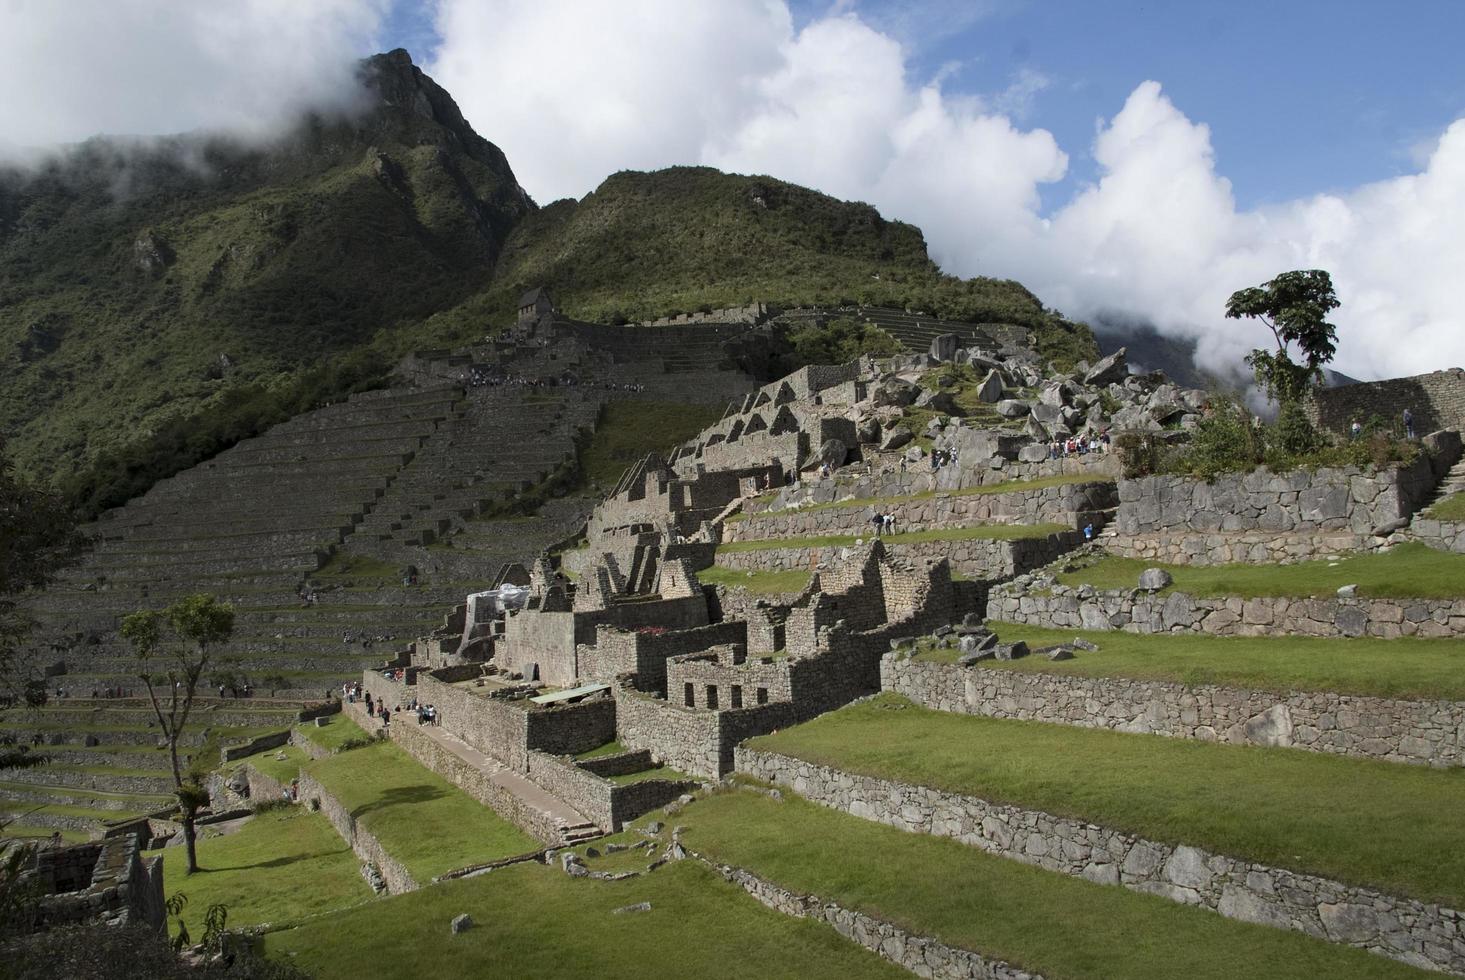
712	696
736	697
762	695
689	694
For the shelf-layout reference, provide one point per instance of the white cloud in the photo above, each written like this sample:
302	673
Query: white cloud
78	68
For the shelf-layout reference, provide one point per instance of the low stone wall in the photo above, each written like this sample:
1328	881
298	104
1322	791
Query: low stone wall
1444	535
273	740
1418	933
1419	732
363	843
981	558
602	802
1046	604
119	886
918	478
922	955
1046	505
476	783
304	744
262	788
1263	516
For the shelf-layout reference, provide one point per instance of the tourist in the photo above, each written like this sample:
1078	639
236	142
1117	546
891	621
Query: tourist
878	520
889	523
1356	429
1408	424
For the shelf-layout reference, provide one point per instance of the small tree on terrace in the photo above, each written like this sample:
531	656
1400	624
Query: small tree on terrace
173	652
1295	307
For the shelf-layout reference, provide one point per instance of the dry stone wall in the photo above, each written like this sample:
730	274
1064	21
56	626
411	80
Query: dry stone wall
1064	607
1419	933
363	843
1263	516
1394	730
1047	505
1444	535
984	558
1436	399
891	481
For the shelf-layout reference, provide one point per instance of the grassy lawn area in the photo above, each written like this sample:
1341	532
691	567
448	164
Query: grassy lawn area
421	819
628	430
1410	571
1009	486
984	532
1065	928
22	809
1304	811
655	772
536	922
282	865
280	770
338	730
26	832
760	583
1408	667
1452	508
613	747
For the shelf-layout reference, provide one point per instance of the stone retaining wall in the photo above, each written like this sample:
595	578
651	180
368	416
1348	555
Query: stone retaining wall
1043	603
304	744
1436	399
1419	732
1422	934
1444	535
363	843
982	558
272	740
1046	505
1263	516
476	783
922	955
607	805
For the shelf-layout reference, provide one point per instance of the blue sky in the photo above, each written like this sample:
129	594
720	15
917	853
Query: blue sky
1301	96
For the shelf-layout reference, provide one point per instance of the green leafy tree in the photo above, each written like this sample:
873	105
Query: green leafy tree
1295	307
173	651
37	536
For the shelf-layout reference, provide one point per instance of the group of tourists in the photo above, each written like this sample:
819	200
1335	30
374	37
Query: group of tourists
884	523
1079	445
1355	428
235	690
943	457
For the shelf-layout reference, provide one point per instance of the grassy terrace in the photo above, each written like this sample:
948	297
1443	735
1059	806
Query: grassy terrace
537	922
1064	928
1404	668
980	532
1452	508
337	731
280	866
1410	571
1334	816
421	819
280	770
762	583
27	831
1010	486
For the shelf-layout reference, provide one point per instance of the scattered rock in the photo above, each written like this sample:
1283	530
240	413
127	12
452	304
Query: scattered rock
591	852
896	438
654	827
461	923
1079	643
1062	653
627	909
1154	579
1011	651
1348	591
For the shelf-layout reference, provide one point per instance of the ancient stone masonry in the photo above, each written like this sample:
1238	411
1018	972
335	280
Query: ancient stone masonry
1070	504
981	558
1391	729
363	843
894	482
1444	535
1436	399
105	882
1419	933
1038	600
1263	516
922	955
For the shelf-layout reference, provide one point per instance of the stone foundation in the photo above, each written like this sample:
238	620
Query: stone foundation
1419	732
981	558
1424	935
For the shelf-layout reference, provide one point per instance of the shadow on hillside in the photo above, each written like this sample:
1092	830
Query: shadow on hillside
421	793
279	862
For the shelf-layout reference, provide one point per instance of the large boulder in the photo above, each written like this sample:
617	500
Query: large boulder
894	392
833	452
1011	408
1154	579
896	438
1111	369
938	401
1033	452
990	390
944	347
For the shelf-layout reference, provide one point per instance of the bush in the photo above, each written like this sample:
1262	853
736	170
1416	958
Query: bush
1226	440
1139	454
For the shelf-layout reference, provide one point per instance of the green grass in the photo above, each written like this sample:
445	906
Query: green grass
338	730
282	865
1409	571
613	747
1451	508
655	772
422	820
536	922
1404	668
27	831
760	583
23	808
343	565
1305	811
982	532
1063	927
628	430
280	770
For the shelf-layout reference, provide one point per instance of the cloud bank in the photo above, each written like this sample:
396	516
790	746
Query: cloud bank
573	91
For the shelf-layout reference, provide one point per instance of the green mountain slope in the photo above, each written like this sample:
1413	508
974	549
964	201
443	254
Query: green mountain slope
160	300
139	282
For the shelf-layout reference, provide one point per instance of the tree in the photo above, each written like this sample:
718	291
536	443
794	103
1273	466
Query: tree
173	649
37	536
1294	306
